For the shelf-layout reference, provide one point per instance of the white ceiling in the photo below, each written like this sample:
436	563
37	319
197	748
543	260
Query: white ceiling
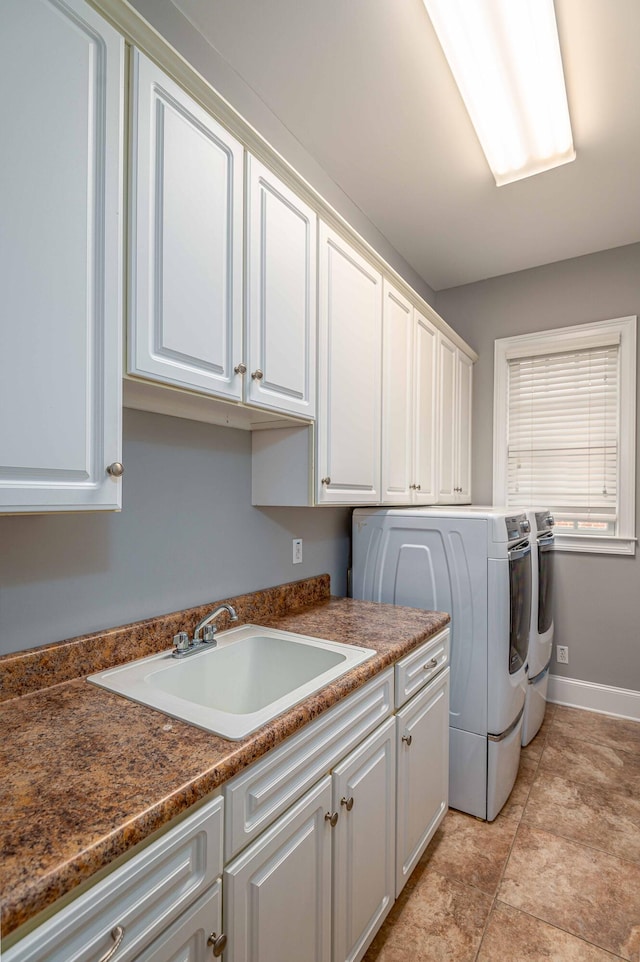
363	85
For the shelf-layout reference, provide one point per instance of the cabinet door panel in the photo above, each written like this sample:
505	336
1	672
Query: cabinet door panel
447	418
185	323
423	773
397	397
350	319
60	257
364	843
425	394
187	939
281	295
278	891
464	405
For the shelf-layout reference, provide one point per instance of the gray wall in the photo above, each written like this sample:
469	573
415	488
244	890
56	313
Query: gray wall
213	66
187	534
598	596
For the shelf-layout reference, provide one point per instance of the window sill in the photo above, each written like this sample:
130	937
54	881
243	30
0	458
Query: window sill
586	544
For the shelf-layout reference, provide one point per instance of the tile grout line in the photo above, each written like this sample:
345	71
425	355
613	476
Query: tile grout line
515	835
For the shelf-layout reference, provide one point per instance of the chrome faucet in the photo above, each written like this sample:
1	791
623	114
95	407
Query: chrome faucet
183	645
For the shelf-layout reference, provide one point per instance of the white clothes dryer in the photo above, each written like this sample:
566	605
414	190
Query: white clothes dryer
541	633
475	564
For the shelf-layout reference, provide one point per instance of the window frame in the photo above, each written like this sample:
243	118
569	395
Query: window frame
567	339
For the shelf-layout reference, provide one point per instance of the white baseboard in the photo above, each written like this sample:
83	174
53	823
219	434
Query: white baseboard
620	702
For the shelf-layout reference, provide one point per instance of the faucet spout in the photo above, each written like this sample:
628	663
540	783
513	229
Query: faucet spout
233	616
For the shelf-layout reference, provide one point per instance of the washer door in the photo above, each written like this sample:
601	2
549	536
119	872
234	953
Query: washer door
520	604
545	583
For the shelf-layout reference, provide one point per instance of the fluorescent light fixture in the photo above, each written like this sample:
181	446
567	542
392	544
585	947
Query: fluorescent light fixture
505	58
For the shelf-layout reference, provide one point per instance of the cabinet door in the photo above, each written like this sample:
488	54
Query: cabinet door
464	416
364	843
187	940
397	397
277	893
423	773
447	399
185	308
350	340
425	392
60	257
281	295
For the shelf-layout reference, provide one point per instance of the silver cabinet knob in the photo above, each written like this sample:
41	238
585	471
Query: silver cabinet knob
257	375
432	663
408	739
347	802
331	818
418	487
117	935
325	481
218	942
116	469
240	368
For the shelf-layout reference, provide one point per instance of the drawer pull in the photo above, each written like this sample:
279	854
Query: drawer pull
408	739
332	819
218	942
347	802
432	663
117	935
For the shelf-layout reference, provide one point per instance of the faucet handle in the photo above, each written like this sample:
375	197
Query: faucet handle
209	633
181	641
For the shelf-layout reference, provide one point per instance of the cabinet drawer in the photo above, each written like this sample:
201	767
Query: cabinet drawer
258	795
142	897
420	666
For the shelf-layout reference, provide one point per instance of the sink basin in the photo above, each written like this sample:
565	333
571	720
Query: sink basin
253	675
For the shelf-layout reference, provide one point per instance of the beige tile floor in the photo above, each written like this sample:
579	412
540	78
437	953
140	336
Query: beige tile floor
555	877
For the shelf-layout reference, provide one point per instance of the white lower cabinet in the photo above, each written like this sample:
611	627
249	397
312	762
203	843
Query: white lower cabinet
195	937
278	892
364	842
423	773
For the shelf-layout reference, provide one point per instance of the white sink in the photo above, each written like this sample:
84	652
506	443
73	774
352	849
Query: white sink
253	675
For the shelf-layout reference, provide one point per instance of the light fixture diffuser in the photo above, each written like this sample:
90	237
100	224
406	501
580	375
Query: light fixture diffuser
505	59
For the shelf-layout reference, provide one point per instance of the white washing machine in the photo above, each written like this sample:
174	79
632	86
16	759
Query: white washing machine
474	563
541	633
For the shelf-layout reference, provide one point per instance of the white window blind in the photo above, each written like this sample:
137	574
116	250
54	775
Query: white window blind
563	428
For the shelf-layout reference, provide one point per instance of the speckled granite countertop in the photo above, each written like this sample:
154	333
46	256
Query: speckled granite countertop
87	774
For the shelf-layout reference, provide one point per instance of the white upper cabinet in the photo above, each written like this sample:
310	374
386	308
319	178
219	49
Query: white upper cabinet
397	397
409	403
281	295
425	408
185	298
60	257
349	374
455	371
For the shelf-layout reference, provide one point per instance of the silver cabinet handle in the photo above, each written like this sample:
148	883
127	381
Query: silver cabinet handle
325	481
432	663
116	470
240	368
117	935
331	818
408	739
218	942
347	802
257	375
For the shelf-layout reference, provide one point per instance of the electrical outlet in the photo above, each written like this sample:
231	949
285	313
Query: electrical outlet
562	654
297	551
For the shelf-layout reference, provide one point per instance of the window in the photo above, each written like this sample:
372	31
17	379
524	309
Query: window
564	431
